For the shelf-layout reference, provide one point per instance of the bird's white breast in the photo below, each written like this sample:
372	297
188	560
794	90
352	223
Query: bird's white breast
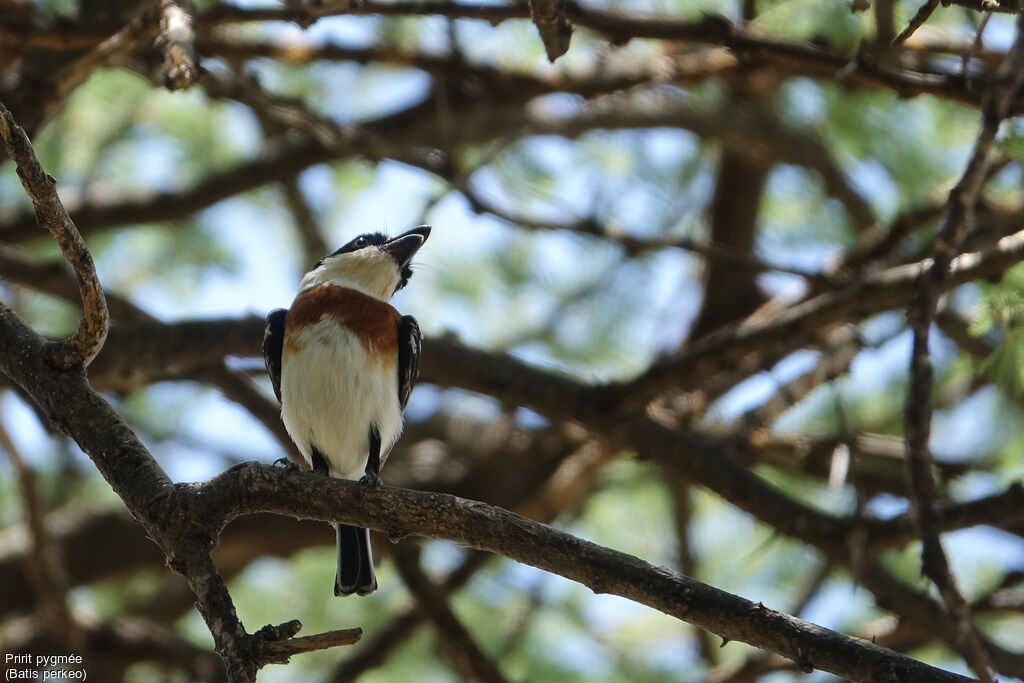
332	391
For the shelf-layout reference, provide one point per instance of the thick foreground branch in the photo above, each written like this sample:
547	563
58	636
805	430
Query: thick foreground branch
257	488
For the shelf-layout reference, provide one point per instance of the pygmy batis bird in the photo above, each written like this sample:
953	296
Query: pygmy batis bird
343	362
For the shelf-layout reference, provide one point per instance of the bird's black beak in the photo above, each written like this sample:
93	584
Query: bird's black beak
405	246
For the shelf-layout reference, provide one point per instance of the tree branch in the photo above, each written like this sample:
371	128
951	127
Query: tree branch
916	21
753	48
792	328
398	513
50	214
125	40
462	650
277	644
920	314
250	488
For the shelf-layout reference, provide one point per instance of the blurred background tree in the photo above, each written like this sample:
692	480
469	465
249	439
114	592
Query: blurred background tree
648	211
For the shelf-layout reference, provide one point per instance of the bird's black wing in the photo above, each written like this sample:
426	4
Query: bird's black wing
409	343
273	342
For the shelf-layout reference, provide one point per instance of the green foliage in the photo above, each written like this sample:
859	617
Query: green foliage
1000	312
51	316
137	256
1012	145
922	160
802	20
55	8
629	491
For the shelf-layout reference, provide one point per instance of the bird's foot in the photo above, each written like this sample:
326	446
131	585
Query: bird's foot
286	464
371	479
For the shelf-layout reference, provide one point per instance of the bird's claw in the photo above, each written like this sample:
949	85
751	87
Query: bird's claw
370	479
286	464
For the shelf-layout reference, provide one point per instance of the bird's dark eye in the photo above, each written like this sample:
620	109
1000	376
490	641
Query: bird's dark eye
358	243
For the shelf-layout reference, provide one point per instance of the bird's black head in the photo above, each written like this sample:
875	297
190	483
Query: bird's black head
368	239
400	249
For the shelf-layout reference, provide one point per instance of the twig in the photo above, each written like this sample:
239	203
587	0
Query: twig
128	38
314	246
525	618
755	50
374	140
798	325
744	130
278	163
306	224
976	44
717	466
277	644
635	246
908	635
293	114
459	646
50	213
916	21
387	638
238	388
177	42
56	277
917	607
920	314
680	490
838	352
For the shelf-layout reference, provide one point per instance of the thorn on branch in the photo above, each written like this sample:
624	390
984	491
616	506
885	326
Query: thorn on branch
916	21
50	213
554	28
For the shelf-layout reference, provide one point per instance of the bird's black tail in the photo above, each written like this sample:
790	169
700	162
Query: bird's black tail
355	561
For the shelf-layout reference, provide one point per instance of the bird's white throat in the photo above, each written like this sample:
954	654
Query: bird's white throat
371	271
